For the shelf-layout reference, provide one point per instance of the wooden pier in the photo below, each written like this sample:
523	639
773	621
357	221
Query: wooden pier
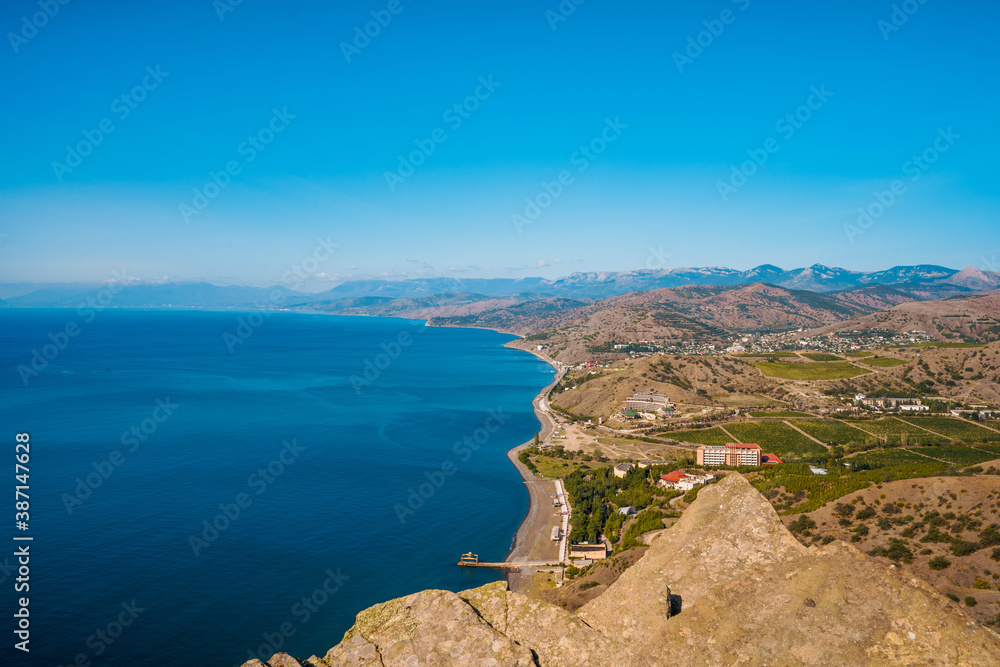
472	560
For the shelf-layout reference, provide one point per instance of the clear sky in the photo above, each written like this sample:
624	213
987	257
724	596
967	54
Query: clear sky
312	117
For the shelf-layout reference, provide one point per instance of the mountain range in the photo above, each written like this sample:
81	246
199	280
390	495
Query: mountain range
922	282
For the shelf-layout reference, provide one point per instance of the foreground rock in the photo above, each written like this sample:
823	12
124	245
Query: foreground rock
727	585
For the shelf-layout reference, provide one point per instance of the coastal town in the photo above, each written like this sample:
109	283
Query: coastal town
604	488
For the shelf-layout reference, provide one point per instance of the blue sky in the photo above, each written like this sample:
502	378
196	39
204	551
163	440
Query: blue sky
660	191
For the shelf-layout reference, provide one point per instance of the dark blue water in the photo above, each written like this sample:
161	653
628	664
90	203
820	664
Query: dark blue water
320	469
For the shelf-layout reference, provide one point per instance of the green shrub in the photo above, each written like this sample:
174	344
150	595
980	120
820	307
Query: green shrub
989	537
939	563
589	585
964	547
970	601
866	513
981	584
803	523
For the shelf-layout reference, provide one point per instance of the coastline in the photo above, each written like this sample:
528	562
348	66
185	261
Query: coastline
537	500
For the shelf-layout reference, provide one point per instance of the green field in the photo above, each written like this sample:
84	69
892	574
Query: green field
960	456
783	415
889	465
884	362
832	431
776	438
993	449
862	353
956	345
767	355
896	457
554	468
954	428
889	426
819	356
828	370
708	436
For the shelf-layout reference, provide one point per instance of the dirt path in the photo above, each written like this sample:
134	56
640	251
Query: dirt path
927	456
788	423
980	425
723	429
922	428
874	435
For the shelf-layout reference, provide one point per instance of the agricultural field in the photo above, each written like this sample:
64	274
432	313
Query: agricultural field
708	436
884	362
557	468
941	344
776	438
860	354
820	370
960	456
891	428
994	449
767	355
885	458
954	428
818	490
832	432
820	356
781	415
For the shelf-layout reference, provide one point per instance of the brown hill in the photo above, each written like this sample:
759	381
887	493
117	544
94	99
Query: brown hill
973	318
727	584
705	313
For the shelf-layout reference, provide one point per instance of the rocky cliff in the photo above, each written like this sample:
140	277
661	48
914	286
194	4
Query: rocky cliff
726	585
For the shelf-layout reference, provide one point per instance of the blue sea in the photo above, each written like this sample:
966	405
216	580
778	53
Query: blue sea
207	487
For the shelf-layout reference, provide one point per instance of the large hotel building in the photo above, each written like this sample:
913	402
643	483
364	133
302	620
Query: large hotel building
729	455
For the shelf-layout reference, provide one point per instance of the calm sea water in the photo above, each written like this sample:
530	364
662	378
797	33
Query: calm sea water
148	436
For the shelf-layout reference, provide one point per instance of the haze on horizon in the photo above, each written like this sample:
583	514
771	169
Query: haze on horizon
622	123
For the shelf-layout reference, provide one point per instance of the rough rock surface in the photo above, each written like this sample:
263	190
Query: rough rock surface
747	592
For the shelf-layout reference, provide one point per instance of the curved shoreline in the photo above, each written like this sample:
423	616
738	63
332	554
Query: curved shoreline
520	543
